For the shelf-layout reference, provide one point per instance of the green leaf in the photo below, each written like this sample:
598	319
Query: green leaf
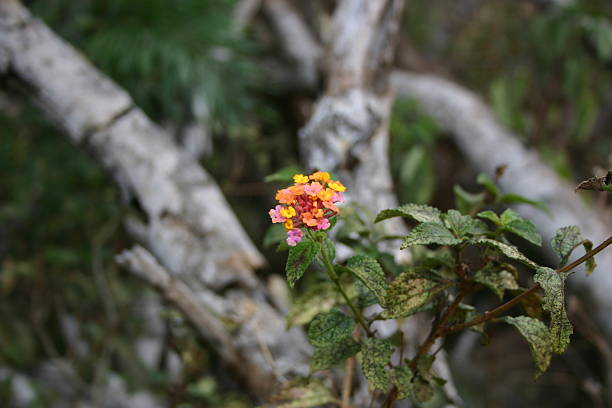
401	377
369	271
423	391
330	355
508	250
553	284
275	234
409	292
303	393
497	279
330	327
417	212
537	335
463	225
512	198
300	257
566	239
284	174
491	216
316	299
467	202
589	265
487	182
417	178
516	224
375	356
430	233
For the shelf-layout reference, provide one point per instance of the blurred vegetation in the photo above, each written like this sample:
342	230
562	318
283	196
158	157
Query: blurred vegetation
546	72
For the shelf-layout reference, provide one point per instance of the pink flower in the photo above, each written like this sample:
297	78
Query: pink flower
337	198
276	215
323	224
331	206
294	236
312	189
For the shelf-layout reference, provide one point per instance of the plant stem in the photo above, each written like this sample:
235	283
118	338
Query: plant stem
334	277
436	329
486	316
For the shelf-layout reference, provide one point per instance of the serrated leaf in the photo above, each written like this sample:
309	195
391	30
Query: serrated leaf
538	336
430	233
330	327
303	393
275	234
467	202
375	356
516	224
408	293
491	216
566	239
423	391
508	250
497	279
401	377
330	355
369	271
316	299
284	174
463	225
553	284
487	182
424	366
300	257
417	212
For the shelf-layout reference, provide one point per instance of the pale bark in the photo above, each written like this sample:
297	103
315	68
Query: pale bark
187	224
348	132
487	144
300	47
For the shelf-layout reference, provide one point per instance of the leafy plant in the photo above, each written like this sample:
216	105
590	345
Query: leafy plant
439	280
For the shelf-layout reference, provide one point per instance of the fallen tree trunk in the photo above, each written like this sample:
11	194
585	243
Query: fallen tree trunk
187	224
487	145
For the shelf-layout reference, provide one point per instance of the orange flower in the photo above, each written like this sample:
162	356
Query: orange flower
285	196
320	176
325	195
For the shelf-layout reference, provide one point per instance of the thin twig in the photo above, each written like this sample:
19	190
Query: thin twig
508	305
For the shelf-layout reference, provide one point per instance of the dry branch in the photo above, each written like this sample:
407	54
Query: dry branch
487	145
187	225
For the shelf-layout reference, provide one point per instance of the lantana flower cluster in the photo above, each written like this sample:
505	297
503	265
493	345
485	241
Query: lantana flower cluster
309	203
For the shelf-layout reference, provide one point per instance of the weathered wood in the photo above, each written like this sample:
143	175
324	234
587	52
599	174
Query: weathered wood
186	222
487	145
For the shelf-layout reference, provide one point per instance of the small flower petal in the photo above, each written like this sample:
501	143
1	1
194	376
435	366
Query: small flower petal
320	176
336	185
294	236
300	178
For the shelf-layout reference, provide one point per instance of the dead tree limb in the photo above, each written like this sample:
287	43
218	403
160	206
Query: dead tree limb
187	224
487	145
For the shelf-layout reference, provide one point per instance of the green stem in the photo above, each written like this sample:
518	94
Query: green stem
334	277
